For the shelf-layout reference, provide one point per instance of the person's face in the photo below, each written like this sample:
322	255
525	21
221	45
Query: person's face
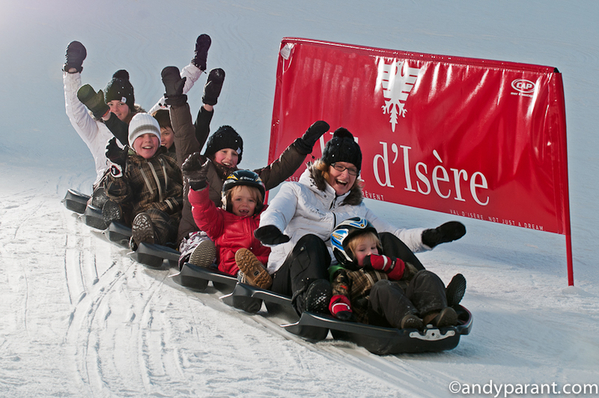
342	181
365	246
243	202
146	145
227	157
167	137
120	109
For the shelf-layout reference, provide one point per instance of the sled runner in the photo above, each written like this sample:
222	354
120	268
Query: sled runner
118	233
153	255
385	340
250	298
376	339
92	217
75	201
196	278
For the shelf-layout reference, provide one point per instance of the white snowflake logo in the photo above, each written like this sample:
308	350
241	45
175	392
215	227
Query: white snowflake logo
397	80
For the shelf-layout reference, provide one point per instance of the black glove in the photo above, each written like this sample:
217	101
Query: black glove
173	86
200	54
195	172
75	55
313	134
93	101
117	156
213	86
447	232
270	235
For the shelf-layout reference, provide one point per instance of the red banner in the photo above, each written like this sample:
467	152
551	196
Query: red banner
475	138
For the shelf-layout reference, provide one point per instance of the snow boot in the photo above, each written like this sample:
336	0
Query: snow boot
318	296
142	230
455	290
411	321
111	211
252	268
200	55
204	254
99	197
213	86
446	317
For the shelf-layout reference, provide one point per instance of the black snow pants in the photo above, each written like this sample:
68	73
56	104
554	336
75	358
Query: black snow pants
307	262
390	302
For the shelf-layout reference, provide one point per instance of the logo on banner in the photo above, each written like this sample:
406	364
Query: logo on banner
524	87
397	80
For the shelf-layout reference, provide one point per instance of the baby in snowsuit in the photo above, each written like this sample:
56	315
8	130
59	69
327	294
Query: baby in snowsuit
380	290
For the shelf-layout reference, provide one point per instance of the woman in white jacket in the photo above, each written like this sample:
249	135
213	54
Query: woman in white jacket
299	221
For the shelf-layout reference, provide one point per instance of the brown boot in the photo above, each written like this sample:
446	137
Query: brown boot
446	317
411	321
252	268
142	230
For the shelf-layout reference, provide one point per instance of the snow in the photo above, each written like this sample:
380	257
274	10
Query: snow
79	318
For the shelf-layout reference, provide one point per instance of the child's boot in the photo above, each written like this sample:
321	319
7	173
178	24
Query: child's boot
254	272
411	321
111	211
204	254
318	296
446	317
142	230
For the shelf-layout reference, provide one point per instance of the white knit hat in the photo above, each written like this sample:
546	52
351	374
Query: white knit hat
143	123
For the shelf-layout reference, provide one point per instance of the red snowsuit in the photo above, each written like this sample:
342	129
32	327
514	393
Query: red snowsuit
228	231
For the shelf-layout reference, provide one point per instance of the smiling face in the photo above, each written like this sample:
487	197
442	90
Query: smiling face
362	246
244	200
167	137
341	181
120	109
146	145
227	157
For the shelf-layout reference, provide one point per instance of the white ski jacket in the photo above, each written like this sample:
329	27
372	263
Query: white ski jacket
300	208
93	132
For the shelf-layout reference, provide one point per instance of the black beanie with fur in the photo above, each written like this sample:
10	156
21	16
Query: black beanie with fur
120	89
342	148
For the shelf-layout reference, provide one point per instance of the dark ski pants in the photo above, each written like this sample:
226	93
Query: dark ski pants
390	302
395	248
165	227
307	262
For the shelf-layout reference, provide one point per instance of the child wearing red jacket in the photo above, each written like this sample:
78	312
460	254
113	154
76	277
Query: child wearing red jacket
231	227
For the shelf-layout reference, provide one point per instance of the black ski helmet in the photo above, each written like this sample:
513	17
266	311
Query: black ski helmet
242	177
343	233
